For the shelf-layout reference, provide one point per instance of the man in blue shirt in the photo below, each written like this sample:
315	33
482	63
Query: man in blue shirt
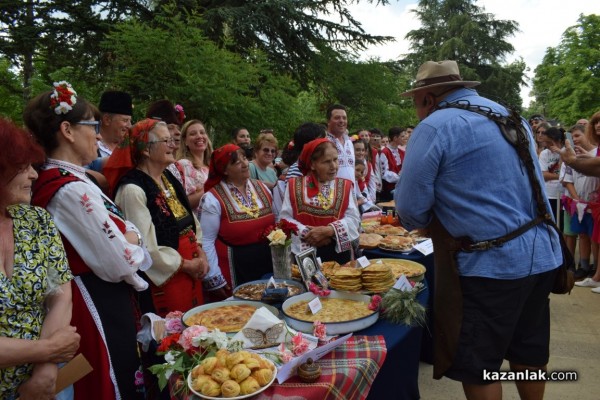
462	178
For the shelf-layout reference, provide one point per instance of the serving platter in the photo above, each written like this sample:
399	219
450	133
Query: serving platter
227	303
333	328
245	396
297	287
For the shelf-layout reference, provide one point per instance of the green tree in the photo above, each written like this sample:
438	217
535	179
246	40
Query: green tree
171	58
462	31
567	82
289	32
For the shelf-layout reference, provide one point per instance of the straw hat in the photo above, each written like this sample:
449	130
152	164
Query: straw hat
438	73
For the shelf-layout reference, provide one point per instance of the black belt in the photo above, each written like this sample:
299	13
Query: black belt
466	244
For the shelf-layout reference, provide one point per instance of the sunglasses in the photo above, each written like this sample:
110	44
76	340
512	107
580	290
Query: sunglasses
272	151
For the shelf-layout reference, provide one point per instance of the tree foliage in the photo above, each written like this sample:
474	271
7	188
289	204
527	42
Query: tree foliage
462	31
171	58
289	32
567	82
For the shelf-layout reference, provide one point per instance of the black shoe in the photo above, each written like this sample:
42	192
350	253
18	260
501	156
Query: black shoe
581	273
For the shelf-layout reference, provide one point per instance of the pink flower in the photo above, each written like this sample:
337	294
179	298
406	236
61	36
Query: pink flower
375	302
300	345
320	331
174	315
173	325
188	334
313	288
284	353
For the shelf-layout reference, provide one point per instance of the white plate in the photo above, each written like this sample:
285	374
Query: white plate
210	306
189	383
333	328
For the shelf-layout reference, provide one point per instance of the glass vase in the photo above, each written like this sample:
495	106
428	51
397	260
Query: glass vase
282	261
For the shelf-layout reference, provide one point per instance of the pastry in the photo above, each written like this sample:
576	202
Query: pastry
333	310
220	374
369	240
263	376
230	388
397	243
226	318
210	388
249	386
346	278
209	363
234	359
199	381
239	372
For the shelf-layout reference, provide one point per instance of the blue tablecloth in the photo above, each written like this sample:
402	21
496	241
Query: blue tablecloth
399	375
427	261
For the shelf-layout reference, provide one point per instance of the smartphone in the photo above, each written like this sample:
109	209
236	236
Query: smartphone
570	139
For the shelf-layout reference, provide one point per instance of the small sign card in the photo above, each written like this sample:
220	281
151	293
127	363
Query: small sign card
363	261
425	247
403	284
315	305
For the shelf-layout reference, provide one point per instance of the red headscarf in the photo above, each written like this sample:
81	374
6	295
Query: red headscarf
304	164
126	156
307	151
218	163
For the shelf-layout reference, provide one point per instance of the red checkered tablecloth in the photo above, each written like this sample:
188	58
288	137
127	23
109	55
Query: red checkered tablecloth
347	373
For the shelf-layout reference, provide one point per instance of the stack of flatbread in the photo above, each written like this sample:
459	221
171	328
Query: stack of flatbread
347	278
377	278
329	267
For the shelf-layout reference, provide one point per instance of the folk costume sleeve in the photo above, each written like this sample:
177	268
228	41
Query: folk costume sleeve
95	236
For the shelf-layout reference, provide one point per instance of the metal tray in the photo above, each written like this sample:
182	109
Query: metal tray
333	328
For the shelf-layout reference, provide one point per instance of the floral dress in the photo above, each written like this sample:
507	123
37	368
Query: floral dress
40	267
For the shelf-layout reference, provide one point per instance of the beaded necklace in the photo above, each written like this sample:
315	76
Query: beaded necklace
250	206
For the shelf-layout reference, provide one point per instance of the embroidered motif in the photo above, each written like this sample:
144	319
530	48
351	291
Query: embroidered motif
107	230
113	209
160	202
86	203
128	256
342	235
234	215
337	193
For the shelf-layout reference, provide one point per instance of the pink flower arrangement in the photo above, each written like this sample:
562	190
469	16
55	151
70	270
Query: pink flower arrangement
300	345
284	354
318	290
319	330
185	340
375	302
173	322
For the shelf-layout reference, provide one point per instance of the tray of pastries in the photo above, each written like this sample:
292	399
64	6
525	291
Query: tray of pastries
226	316
236	375
385	230
255	290
397	243
341	312
369	240
351	278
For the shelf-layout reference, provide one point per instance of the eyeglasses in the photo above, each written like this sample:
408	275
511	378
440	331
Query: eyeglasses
95	124
169	141
272	151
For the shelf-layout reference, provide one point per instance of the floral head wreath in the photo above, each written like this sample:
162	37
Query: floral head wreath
180	113
63	97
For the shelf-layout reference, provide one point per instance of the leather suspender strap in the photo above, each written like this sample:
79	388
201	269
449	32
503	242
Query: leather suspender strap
513	131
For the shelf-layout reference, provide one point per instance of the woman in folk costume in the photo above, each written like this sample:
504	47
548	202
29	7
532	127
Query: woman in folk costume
236	210
323	206
104	250
156	202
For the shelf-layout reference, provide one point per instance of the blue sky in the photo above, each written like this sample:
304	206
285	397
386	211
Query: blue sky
541	24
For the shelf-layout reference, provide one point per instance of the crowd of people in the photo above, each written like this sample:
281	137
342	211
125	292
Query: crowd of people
146	217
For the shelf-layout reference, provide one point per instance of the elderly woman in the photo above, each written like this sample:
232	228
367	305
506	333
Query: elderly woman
193	157
155	201
323	206
236	210
103	249
35	288
265	151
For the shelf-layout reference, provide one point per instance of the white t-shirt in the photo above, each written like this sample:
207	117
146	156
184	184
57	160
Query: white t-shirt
550	162
584	185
